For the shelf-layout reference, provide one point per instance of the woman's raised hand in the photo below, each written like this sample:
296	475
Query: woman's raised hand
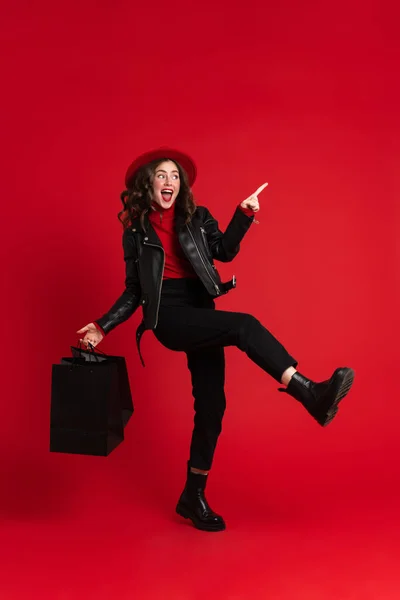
252	201
92	335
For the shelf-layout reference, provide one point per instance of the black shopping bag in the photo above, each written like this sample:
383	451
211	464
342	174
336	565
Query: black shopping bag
124	387
85	416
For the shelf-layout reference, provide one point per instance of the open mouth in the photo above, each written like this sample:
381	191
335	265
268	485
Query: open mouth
166	195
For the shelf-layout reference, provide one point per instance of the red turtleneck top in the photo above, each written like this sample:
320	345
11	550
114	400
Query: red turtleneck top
176	264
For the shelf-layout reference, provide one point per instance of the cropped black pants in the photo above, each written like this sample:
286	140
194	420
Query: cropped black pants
188	322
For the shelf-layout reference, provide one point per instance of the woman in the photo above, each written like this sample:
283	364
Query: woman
170	245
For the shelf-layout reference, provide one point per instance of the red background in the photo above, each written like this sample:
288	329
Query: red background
304	96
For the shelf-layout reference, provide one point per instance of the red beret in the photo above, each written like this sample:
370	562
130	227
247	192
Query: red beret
183	159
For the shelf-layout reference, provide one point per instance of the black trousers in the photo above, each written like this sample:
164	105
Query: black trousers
188	322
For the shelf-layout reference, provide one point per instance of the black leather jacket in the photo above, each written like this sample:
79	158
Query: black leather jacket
201	241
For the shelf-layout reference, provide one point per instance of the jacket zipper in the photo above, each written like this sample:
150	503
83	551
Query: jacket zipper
202	260
203	232
162	275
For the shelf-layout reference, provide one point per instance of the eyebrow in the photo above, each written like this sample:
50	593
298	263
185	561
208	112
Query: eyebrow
163	170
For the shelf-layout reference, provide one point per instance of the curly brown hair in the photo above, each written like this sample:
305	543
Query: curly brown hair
137	199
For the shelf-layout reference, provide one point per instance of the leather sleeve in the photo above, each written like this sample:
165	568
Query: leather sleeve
129	300
225	246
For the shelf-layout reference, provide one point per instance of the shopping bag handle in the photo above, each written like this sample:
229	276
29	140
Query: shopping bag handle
91	350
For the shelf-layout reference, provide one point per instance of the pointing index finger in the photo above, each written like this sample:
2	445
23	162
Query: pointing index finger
260	189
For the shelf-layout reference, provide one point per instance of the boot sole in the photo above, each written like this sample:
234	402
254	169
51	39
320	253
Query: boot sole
186	514
329	408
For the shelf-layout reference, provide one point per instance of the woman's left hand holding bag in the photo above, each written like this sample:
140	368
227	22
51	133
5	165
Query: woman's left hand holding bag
92	335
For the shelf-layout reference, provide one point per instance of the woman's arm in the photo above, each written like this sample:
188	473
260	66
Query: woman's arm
129	300
225	246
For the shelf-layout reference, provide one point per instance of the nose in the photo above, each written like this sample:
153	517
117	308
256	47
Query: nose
168	179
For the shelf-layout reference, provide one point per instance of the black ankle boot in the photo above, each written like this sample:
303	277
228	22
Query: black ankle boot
194	506
321	399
